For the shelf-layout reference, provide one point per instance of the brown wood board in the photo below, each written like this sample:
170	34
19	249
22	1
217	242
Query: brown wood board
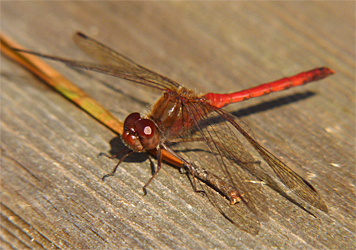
51	192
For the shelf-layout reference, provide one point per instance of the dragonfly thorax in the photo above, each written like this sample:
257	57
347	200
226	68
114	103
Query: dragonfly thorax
140	134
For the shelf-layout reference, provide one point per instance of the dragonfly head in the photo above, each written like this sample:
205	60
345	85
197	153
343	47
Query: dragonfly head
139	134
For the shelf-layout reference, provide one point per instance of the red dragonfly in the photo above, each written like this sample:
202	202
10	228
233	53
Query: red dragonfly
181	115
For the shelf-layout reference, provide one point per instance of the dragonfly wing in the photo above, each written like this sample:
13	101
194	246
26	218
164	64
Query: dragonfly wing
299	186
243	213
118	65
238	214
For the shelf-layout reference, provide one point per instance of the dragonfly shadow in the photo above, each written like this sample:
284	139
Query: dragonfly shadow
214	119
264	106
118	146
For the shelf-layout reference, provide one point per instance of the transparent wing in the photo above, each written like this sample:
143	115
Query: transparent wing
223	176
115	64
238	214
231	156
112	63
299	186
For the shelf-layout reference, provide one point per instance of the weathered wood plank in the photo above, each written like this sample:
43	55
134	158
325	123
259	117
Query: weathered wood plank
51	193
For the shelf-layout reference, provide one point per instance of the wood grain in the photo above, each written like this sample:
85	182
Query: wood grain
51	193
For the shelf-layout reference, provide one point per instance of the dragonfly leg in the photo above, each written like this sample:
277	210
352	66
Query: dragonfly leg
125	151
192	170
183	170
128	152
159	165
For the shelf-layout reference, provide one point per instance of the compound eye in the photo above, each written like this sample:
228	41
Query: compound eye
145	128
132	141
131	119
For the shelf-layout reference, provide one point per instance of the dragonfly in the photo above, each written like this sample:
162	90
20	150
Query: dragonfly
181	115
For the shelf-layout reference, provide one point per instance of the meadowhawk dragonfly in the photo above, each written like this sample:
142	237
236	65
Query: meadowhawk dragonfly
181	115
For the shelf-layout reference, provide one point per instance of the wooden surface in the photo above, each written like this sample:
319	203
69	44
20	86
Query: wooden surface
51	193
